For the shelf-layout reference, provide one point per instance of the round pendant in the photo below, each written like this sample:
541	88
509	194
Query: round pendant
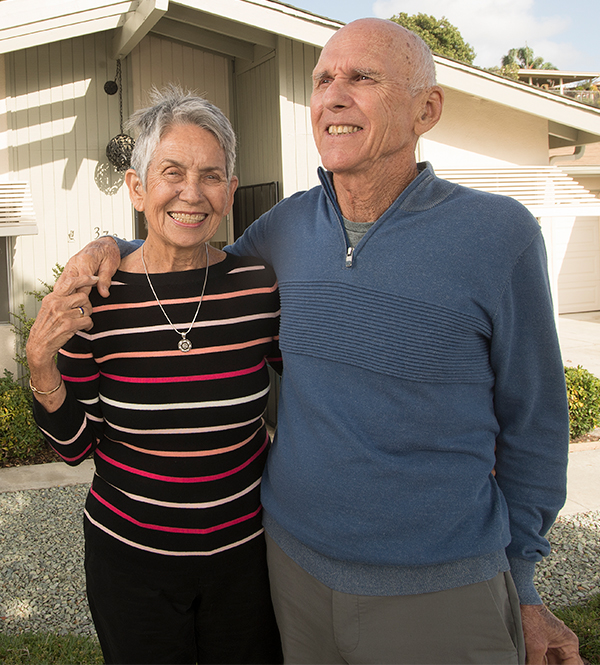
184	345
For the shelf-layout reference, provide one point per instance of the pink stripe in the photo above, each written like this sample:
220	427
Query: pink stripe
172	529
194	352
177	301
176	479
69	354
183	379
81	379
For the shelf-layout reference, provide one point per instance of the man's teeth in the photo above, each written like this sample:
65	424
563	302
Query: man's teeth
343	129
186	218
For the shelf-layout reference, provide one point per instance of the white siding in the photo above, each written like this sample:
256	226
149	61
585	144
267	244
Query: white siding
475	133
258	123
299	154
156	61
59	123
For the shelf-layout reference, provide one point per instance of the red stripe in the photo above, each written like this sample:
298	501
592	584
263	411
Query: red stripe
183	379
177	479
72	459
81	379
173	529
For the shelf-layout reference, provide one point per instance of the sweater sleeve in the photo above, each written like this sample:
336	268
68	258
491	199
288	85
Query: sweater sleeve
75	428
255	240
127	247
531	406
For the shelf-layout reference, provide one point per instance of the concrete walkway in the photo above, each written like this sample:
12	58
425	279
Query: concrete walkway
580	340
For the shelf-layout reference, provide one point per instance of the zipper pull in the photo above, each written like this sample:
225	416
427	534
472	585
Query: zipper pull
349	257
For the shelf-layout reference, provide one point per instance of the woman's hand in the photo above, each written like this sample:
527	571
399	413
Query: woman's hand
64	311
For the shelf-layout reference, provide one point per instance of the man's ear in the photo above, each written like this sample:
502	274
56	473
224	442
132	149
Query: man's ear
430	111
136	189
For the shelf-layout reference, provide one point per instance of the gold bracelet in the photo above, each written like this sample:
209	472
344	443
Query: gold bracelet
42	392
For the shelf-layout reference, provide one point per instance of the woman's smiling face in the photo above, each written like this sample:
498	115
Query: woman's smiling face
186	193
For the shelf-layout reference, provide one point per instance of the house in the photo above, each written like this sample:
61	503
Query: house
253	58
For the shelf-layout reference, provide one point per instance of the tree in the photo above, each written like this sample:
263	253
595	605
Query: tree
525	58
439	34
520	58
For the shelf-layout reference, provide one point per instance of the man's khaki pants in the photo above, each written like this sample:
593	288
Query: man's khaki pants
479	623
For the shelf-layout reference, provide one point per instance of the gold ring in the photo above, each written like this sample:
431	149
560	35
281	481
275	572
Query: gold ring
81	311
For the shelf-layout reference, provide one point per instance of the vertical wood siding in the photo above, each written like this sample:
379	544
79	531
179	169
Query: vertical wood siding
258	124
299	154
156	61
59	123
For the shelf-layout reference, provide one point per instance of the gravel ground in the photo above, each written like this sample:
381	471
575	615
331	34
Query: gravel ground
42	585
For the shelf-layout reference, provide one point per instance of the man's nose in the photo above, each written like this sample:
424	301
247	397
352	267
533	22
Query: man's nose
337	94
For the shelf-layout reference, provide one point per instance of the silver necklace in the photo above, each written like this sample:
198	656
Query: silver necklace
184	343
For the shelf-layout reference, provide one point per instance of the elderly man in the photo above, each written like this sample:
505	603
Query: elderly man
422	434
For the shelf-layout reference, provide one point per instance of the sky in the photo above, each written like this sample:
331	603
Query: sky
563	33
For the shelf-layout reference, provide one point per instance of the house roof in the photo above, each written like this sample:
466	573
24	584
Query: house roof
570	122
245	28
27	23
557	77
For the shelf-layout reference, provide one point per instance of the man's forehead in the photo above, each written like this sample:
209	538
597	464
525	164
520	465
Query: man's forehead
349	52
345	63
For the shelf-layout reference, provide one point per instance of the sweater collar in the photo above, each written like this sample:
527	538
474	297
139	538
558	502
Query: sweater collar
424	192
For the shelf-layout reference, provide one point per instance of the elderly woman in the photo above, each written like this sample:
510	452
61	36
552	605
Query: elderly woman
168	389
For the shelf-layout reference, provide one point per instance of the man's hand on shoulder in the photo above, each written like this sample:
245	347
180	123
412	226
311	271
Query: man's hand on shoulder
547	638
100	257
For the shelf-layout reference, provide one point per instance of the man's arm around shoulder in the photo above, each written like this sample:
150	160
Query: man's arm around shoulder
100	257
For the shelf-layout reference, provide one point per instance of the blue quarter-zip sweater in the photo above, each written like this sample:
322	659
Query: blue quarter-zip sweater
422	431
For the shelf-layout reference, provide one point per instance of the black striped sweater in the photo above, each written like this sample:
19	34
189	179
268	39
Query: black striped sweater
178	439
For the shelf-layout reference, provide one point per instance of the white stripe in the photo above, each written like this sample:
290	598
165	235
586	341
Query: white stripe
137	546
245	269
198	324
132	406
68	441
172	504
183	430
95	400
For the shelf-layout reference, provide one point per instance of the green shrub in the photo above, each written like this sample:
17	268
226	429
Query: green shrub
583	391
20	438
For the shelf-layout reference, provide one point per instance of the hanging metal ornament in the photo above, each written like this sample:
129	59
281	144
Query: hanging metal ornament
120	147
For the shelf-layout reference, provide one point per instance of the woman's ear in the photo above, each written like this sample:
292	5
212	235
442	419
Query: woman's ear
233	185
136	189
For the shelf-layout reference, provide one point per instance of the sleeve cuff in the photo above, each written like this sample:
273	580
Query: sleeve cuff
522	572
127	247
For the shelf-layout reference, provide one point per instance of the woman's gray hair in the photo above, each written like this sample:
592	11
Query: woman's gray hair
174	106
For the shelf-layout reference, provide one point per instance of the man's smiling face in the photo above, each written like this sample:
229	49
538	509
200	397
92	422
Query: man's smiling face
362	111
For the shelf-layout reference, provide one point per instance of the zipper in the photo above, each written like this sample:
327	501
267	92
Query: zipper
349	257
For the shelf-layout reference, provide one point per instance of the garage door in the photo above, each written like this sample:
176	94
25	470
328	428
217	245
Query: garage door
579	277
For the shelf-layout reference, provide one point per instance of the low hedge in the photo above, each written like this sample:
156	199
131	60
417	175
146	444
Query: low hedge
583	391
20	439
